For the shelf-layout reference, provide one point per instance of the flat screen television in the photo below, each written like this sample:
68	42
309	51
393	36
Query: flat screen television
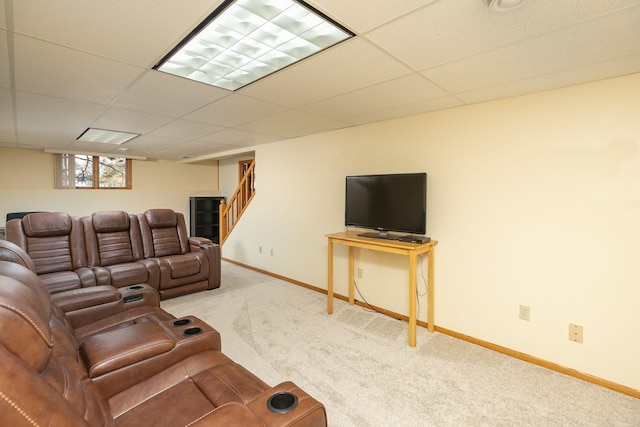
391	202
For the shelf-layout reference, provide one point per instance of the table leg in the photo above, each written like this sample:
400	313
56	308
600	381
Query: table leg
330	278
430	293
351	279
412	299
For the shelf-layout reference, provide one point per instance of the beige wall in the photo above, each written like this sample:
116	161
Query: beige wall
26	184
534	200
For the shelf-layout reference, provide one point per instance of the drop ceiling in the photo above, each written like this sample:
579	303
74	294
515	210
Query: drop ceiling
69	65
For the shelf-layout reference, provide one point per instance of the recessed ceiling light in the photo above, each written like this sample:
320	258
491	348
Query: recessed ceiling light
104	136
245	40
504	5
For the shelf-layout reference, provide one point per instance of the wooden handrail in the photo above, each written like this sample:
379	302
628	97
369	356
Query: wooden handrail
230	213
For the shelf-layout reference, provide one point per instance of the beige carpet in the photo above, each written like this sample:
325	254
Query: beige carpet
359	365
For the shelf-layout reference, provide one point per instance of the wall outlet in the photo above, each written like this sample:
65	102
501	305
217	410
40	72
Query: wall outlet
259	249
359	273
575	333
525	313
271	252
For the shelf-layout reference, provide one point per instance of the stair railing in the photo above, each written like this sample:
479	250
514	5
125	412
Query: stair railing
230	213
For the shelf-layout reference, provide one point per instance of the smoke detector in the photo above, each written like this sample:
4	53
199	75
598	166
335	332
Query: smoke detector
503	5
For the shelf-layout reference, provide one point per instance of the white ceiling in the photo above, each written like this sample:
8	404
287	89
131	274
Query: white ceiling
67	65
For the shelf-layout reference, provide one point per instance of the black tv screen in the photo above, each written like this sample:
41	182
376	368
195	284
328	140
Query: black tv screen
392	202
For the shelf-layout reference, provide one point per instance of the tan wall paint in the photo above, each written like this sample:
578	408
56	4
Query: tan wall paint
26	184
535	200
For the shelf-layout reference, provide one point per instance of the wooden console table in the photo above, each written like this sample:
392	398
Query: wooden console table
412	250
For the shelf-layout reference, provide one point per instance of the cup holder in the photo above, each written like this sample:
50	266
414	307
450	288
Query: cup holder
189	332
282	402
181	322
135	287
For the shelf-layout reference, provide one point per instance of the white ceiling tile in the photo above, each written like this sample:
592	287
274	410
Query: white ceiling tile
578	45
184	129
137	32
448	30
129	121
71	58
284	123
349	66
237	137
47	69
160	93
407	110
53	135
5	63
6	103
563	78
234	110
3	16
81	147
184	149
56	110
363	15
7	130
150	143
394	93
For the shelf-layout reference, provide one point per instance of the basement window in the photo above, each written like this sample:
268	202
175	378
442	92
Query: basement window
84	171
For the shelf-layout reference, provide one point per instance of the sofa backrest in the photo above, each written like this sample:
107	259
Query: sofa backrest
9	251
112	237
163	233
53	240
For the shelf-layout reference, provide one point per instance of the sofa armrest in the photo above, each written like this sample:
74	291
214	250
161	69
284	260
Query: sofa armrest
77	299
271	407
109	351
141	295
198	241
212	250
229	414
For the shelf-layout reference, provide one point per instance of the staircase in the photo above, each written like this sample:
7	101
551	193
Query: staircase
230	213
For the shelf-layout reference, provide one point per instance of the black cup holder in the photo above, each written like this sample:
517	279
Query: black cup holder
136	287
189	332
181	322
282	402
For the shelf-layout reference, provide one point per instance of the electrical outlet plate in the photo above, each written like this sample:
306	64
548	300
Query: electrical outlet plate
359	273
575	333
525	313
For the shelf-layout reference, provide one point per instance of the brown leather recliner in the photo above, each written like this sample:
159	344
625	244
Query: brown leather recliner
114	250
187	264
55	243
45	383
87	311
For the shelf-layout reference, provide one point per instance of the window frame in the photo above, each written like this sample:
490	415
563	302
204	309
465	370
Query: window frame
96	175
69	175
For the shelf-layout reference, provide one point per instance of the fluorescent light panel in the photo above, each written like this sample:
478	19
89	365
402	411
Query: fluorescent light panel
245	40
104	136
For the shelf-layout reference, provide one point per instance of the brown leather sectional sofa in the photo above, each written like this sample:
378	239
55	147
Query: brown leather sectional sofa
118	249
123	364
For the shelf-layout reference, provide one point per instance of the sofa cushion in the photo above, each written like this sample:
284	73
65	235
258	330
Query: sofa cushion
110	221
161	218
47	224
